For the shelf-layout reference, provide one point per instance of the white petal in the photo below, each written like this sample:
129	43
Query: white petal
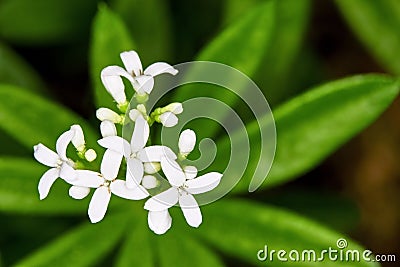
175	108
134	172
159	221
67	172
134	114
45	155
159	68
90	155
78	192
187	141
140	134
190	172
116	144
88	178
98	204
132	62
143	84
190	210
204	183
154	153
112	81
169	119
107	128
162	201
106	114
62	144
78	139
47	180
149	182
118	188
110	164
151	167
175	175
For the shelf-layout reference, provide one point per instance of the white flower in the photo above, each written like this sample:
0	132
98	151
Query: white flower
107	128
60	165
135	152
184	186
187	141
105	184
142	81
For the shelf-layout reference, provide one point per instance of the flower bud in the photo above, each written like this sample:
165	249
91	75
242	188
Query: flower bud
175	108
168	119
78	192
104	114
187	141
90	155
149	181
152	167
78	140
107	128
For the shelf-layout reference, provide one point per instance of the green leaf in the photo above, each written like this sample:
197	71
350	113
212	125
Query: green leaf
241	228
152	33
31	119
18	190
323	119
44	21
241	46
377	24
14	70
86	245
183	250
106	45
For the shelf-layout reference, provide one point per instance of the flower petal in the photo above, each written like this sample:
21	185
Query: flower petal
154	153
134	172
140	134
159	68
132	62
45	155
112	81
187	141
190	172
162	201
173	172
98	204
107	128
190	210
159	221
62	144
110	164
47	180
88	178
168	119
119	188
204	183
116	144
143	84
78	192
78	139
149	182
67	172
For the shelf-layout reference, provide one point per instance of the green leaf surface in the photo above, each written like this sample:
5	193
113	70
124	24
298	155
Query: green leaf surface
86	245
14	70
44	21
18	190
152	33
110	37
179	249
313	125
377	24
241	46
31	119
241	228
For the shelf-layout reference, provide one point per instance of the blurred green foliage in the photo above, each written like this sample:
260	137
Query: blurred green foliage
263	39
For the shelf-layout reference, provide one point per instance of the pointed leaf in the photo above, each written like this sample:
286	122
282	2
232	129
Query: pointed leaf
264	225
377	24
85	245
106	45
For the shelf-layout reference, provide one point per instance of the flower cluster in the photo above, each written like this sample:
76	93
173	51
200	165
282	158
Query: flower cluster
143	163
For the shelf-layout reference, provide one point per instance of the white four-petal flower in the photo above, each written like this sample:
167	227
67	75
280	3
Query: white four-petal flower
134	152
142	81
105	184
60	165
184	186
